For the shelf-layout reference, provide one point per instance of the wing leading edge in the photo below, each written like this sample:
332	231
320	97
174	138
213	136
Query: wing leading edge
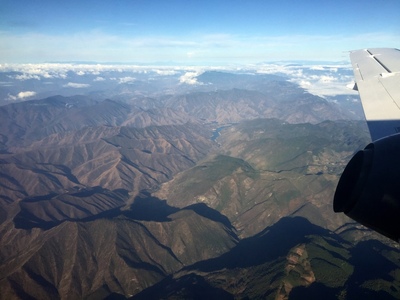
377	76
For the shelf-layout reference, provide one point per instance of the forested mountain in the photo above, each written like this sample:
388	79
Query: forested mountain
220	189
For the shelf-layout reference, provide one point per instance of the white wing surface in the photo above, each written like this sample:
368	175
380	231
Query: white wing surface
377	75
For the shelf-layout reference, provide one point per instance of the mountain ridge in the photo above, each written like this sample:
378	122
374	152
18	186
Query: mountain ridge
129	192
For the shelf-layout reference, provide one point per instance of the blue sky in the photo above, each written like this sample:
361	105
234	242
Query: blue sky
193	32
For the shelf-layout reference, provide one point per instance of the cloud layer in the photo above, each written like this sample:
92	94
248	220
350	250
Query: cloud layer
323	79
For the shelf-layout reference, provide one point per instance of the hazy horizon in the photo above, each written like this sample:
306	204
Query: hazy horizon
193	33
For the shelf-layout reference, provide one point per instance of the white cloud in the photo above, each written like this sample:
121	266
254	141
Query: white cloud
320	79
36	71
320	68
11	97
126	79
165	72
327	79
305	84
26	77
21	95
26	94
190	78
76	85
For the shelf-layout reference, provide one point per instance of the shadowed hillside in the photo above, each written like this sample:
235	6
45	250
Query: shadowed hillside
122	251
291	259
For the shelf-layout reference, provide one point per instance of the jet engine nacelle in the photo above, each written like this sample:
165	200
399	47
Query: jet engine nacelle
369	188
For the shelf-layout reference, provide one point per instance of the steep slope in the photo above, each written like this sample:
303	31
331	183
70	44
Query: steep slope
32	119
271	169
53	209
223	106
118	253
26	122
246	216
115	157
278	99
292	259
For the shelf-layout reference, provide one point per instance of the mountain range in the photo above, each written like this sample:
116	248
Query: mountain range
220	191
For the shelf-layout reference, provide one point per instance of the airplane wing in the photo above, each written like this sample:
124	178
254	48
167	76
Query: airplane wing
377	76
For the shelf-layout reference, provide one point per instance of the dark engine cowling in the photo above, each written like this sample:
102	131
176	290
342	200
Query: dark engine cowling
369	188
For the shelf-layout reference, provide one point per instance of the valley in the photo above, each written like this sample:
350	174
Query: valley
220	189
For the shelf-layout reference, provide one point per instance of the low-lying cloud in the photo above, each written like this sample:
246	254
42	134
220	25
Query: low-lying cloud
22	95
127	79
190	78
325	79
76	85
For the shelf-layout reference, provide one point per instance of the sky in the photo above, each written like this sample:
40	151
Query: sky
193	32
